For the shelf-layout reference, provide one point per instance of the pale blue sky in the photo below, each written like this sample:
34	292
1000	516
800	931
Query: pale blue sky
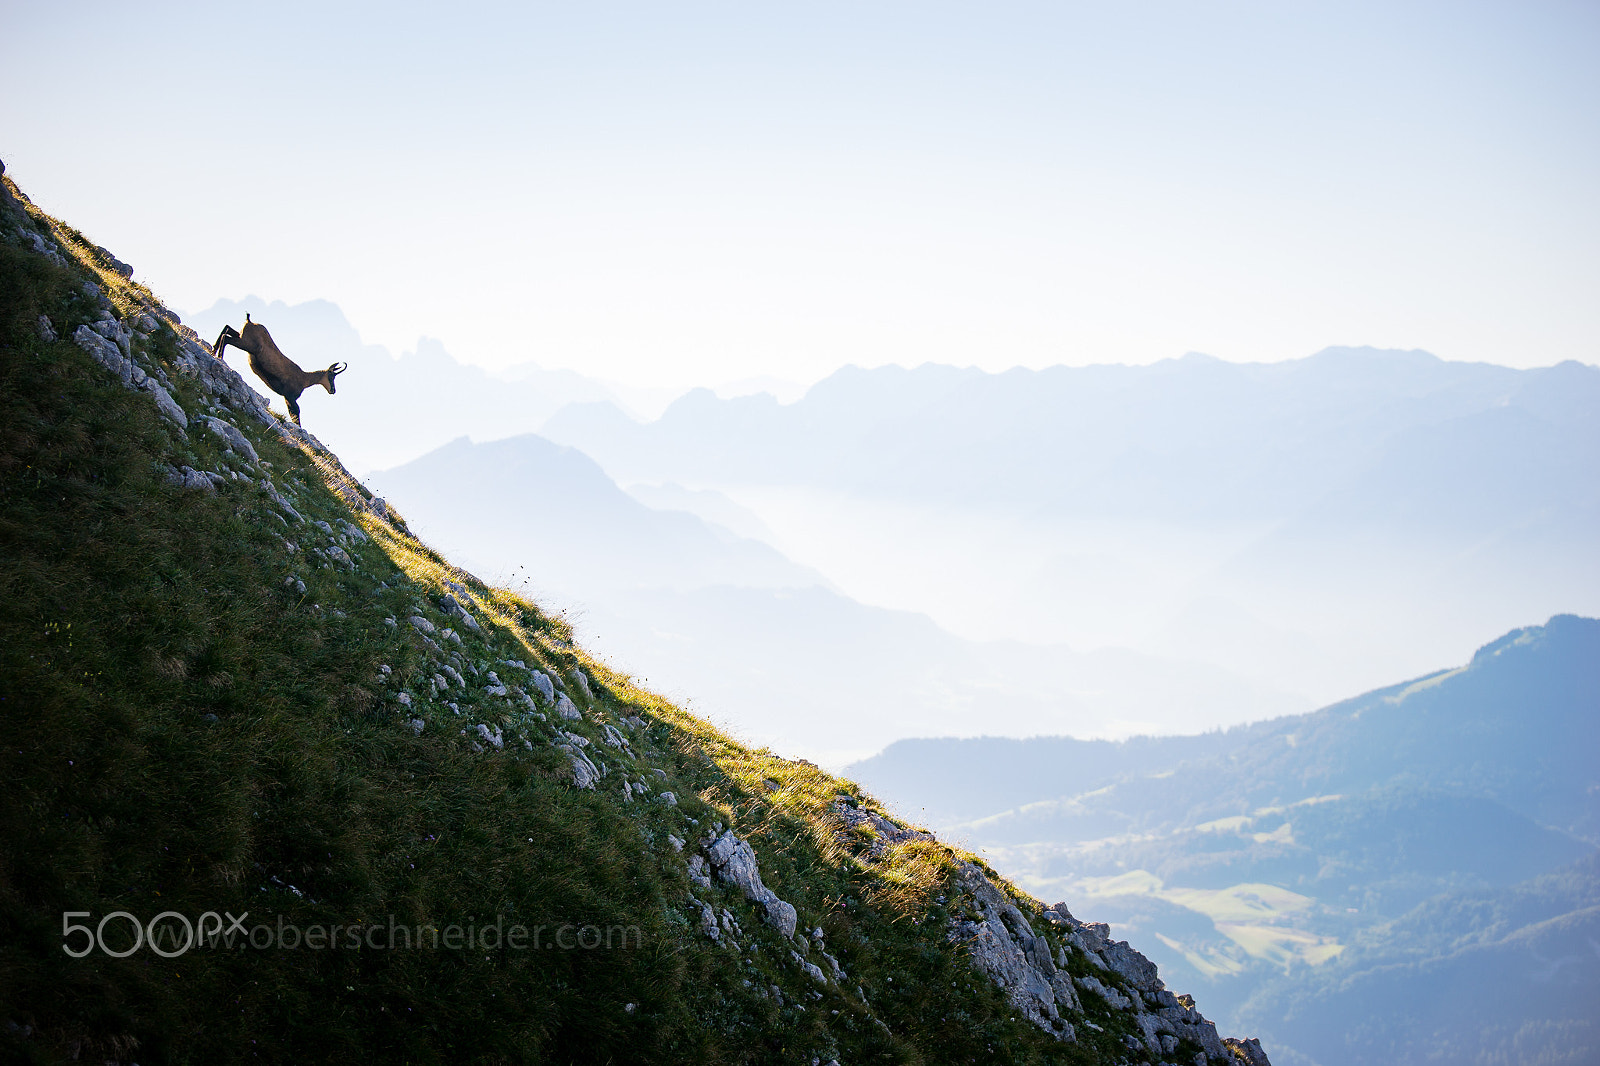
686	193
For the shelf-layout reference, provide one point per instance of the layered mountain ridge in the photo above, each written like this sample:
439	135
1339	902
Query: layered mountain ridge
1355	882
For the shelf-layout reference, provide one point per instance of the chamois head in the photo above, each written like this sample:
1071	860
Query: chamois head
325	377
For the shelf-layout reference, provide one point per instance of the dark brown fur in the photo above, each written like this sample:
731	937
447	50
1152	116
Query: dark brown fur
282	375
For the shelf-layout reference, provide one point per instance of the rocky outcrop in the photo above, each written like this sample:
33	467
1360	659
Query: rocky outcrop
584	772
734	861
1029	956
112	352
1002	944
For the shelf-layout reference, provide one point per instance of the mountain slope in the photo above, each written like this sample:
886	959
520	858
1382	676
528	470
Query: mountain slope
242	699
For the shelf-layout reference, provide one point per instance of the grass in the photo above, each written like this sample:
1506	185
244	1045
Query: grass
183	729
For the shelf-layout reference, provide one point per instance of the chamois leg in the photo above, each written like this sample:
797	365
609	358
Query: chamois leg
294	408
228	336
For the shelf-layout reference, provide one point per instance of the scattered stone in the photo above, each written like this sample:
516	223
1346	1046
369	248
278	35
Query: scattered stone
111	356
811	969
584	772
676	842
567	708
47	330
669	799
450	605
417	726
421	624
232	437
1249	1051
708	920
883	832
541	681
495	737
781	916
187	477
117	265
698	872
734	861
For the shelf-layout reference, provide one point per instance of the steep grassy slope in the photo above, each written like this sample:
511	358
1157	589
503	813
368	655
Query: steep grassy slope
234	686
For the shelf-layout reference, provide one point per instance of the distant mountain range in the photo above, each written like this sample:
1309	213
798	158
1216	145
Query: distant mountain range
753	639
1359	882
1316	526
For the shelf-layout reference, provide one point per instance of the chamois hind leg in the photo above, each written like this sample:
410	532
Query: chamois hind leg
228	336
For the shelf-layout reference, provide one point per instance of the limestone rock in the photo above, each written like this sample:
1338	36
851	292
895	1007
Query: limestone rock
541	681
781	916
567	708
187	477
1122	959
1247	1051
885	833
117	265
584	773
708	919
109	355
1106	992
421	624
734	862
1002	945
232	438
451	605
47	329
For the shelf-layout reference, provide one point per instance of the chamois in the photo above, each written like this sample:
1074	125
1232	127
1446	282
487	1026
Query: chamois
281	373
